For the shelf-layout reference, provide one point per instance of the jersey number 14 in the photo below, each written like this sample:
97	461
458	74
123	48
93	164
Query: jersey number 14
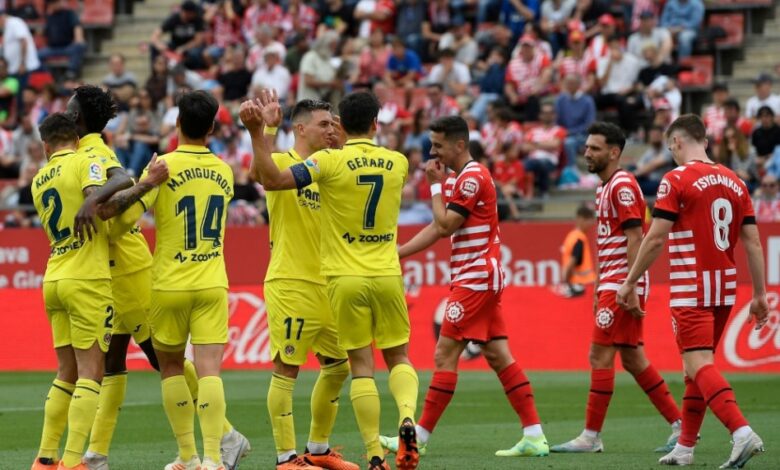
210	225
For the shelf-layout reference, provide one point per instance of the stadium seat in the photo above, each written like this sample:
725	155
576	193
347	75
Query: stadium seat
734	26
700	74
98	19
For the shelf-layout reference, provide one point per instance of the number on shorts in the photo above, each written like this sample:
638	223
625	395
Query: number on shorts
288	322
722	215
211	225
369	213
109	319
52	195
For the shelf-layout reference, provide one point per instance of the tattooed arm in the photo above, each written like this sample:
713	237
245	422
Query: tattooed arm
157	174
118	179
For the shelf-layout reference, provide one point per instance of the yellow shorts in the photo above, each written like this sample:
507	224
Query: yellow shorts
300	320
369	309
200	314
132	300
80	312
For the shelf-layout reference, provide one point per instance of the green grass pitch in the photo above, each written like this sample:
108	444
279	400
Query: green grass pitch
478	422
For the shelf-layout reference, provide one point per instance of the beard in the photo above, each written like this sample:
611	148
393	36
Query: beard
596	167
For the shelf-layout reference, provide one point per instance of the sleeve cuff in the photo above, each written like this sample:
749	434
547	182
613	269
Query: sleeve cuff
631	223
749	220
662	214
301	175
459	209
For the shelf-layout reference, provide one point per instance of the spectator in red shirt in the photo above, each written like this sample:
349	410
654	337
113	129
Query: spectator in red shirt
261	12
376	14
439	104
767	201
543	145
714	115
501	136
373	59
528	78
735	119
509	175
225	27
577	61
299	18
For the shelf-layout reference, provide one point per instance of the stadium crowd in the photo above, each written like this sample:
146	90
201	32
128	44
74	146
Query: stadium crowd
529	76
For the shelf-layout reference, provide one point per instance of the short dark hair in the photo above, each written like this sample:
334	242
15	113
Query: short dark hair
447	53
585	212
453	127
765	110
731	103
196	113
96	107
689	124
358	111
58	129
613	135
308	106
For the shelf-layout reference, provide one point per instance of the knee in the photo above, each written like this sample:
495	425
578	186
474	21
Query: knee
445	360
395	356
67	373
598	360
496	360
634	364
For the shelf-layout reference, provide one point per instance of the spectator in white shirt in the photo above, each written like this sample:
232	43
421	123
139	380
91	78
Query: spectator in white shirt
272	74
555	17
460	40
453	76
649	32
18	46
617	73
763	97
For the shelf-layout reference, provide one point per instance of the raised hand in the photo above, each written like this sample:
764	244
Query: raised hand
157	171
271	110
249	113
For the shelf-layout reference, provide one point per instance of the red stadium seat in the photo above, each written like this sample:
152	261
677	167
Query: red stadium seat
733	24
700	74
98	13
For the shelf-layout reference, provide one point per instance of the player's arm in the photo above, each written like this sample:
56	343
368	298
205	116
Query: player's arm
649	250
446	219
633	230
155	175
118	179
263	168
424	239
755	257
575	260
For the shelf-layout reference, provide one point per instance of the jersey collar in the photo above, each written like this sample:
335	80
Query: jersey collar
361	142
91	140
61	153
466	165
295	155
198	149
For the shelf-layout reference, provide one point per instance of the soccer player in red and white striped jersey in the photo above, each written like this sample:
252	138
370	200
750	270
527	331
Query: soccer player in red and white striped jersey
467	213
703	209
620	217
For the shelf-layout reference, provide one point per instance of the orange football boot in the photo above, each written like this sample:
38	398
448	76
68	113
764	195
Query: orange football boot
330	460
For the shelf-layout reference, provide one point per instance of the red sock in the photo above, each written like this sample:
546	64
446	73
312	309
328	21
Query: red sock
440	393
693	410
656	389
720	397
519	393
602	384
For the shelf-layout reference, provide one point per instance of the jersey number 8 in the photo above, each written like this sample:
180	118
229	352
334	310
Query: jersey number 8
722	215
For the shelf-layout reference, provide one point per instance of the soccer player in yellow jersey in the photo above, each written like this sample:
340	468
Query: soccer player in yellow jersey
360	190
91	108
76	290
189	295
299	315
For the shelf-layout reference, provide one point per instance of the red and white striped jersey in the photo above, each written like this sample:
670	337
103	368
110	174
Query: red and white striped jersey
708	204
475	262
619	205
539	134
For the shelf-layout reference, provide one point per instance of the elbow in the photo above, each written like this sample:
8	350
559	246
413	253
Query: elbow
443	231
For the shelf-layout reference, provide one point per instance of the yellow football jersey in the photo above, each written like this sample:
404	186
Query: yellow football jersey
129	253
361	196
190	212
58	194
296	233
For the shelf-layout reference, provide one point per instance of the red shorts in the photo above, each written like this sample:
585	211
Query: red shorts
697	328
473	316
612	326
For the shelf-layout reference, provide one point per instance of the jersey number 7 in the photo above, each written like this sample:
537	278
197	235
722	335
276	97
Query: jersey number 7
369	213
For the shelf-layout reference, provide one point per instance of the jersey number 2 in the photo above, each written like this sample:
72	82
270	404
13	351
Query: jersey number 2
211	225
369	213
49	196
722	215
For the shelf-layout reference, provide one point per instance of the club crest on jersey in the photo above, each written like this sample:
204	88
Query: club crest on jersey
626	197
95	172
663	189
454	312
604	318
313	164
469	187
289	350
107	338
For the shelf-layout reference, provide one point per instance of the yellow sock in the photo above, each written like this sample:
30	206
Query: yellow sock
81	415
404	385
191	375
365	402
180	410
55	418
325	400
211	414
280	409
112	395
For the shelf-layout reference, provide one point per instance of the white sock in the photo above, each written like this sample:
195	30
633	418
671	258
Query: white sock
591	434
677	424
422	434
742	432
535	430
228	433
317	447
284	457
683	448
